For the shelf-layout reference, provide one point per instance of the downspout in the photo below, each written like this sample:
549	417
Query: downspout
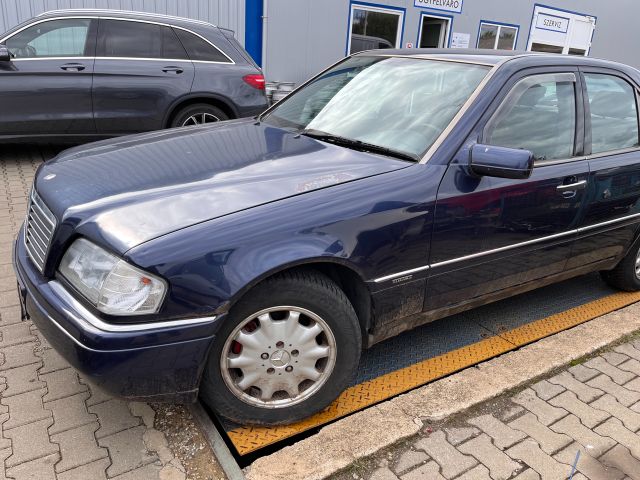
265	13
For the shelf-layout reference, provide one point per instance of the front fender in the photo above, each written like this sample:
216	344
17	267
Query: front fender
374	226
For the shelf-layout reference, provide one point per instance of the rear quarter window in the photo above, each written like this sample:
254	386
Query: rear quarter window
199	49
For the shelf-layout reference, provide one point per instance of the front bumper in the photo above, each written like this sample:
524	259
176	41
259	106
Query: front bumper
159	362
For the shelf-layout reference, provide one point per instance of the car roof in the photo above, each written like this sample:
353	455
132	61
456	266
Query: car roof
494	57
124	14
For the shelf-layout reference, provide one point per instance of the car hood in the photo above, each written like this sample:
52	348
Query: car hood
136	188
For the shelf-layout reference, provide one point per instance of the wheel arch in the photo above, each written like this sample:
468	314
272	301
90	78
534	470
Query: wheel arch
348	278
214	100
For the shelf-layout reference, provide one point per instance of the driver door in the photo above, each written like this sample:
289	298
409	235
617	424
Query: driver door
46	87
492	234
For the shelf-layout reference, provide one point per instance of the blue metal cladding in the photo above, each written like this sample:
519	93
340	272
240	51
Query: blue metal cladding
253	29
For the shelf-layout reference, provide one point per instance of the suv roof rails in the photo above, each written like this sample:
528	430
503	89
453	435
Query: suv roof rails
126	12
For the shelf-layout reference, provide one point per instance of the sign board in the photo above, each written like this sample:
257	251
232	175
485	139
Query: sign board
460	40
552	22
444	5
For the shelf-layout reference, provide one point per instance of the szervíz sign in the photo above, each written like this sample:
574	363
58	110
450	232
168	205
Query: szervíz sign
446	5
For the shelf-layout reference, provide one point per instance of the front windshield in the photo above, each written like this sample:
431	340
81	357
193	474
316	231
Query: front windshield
398	103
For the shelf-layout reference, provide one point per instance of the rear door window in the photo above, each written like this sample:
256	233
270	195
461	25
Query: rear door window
131	39
539	115
614	113
199	49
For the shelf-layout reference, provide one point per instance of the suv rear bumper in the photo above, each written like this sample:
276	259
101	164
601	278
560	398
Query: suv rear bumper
159	364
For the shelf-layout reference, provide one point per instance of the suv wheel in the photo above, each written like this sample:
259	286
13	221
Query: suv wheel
626	275
198	114
285	352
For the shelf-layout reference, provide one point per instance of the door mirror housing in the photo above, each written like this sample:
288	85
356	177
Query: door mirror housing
5	54
501	162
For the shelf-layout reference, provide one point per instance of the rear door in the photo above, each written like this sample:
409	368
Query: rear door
46	87
141	69
490	233
612	142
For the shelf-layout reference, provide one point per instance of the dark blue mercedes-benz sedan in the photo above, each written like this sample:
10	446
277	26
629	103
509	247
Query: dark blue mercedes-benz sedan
250	261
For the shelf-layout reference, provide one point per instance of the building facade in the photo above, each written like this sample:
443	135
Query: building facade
294	39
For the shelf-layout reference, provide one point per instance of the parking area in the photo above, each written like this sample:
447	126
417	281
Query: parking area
54	423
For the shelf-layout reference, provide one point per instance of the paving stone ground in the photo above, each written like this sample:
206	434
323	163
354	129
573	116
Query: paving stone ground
589	411
53	423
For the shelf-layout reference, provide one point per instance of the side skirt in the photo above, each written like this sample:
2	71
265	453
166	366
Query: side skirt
412	321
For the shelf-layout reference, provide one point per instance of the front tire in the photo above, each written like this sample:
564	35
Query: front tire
626	275
286	351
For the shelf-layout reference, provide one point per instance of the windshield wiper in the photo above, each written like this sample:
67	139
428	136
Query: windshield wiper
357	144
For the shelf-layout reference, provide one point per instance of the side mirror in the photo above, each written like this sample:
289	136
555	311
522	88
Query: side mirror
501	162
5	54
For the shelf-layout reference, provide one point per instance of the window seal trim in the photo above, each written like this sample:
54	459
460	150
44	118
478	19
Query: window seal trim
101	17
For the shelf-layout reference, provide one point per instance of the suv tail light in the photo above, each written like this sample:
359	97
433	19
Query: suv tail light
255	80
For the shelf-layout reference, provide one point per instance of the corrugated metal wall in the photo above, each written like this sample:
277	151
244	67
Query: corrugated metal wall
225	13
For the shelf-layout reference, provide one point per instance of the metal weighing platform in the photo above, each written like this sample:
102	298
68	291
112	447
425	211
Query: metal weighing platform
440	348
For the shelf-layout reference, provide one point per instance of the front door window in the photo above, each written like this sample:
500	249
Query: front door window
539	114
54	38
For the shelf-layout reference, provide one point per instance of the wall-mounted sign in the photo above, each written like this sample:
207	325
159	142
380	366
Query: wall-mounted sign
446	5
552	22
460	40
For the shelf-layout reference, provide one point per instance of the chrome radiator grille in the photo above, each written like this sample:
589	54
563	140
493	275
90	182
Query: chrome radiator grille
40	225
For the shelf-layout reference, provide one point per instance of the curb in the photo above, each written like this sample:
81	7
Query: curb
220	449
338	445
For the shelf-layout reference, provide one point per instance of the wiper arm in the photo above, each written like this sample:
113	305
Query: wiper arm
357	144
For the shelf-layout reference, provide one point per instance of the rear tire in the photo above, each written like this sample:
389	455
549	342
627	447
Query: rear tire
268	363
198	114
626	275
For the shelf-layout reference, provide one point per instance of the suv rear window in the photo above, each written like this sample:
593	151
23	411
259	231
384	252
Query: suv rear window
132	39
199	49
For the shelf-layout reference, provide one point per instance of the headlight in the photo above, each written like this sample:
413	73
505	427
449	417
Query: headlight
110	283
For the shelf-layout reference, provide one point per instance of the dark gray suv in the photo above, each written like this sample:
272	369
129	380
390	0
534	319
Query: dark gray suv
100	73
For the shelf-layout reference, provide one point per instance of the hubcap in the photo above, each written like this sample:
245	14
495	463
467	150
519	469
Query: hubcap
199	119
638	265
278	357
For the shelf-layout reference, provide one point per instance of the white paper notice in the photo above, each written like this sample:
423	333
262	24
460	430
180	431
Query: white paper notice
460	40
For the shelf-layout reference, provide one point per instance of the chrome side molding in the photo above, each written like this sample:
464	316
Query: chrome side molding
506	248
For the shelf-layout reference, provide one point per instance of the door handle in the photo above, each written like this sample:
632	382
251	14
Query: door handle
73	67
581	185
176	70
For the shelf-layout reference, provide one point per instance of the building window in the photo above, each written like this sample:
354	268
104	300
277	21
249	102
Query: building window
497	36
374	27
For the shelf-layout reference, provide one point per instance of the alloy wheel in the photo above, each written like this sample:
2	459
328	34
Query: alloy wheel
278	357
200	119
